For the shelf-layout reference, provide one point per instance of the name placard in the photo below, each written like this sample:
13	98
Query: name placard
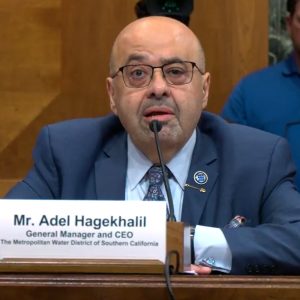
83	229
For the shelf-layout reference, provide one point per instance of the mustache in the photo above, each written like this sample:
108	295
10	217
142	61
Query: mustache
155	103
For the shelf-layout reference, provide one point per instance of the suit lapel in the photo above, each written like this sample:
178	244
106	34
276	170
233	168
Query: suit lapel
111	169
111	172
204	159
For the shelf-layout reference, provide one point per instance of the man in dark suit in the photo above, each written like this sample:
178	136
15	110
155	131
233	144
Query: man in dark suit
221	175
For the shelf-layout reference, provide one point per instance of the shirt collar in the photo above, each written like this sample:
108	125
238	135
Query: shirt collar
290	67
139	164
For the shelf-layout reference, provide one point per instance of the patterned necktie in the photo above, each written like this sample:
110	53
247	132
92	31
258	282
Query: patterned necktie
155	178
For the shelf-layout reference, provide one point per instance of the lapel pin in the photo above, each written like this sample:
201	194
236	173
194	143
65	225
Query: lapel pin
200	177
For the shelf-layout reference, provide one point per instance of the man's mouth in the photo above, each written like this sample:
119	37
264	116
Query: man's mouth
162	114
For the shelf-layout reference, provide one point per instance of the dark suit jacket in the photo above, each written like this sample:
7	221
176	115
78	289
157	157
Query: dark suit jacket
249	174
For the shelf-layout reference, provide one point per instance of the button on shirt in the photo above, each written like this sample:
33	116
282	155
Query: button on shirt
209	242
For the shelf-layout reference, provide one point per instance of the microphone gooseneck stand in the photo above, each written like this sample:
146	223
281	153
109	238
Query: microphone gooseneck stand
156	126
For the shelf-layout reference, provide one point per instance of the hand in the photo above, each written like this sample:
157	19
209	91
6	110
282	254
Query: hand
201	270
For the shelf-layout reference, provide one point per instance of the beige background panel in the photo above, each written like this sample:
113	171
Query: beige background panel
234	34
29	68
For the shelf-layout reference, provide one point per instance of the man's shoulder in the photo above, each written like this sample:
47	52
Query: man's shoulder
264	75
86	123
86	126
85	133
224	132
260	87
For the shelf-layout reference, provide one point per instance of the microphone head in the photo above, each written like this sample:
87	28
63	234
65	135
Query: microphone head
155	126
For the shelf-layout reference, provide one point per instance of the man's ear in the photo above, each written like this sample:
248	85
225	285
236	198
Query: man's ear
111	93
205	89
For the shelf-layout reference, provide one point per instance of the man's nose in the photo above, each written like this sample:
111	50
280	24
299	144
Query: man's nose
158	86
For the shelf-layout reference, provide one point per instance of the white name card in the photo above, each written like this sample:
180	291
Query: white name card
83	229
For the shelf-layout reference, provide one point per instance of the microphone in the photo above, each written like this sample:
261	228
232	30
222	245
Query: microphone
156	126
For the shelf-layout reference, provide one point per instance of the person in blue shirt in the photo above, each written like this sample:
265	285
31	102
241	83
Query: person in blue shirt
269	99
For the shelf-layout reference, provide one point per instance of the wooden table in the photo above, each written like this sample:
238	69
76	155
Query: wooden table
118	287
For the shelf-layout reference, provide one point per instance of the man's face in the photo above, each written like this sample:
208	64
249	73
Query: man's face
178	107
293	26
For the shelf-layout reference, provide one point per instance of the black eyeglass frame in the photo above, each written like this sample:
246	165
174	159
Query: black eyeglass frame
194	65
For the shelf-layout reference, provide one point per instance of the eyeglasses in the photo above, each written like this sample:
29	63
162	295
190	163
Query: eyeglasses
139	76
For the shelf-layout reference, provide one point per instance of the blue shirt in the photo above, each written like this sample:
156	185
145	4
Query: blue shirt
269	99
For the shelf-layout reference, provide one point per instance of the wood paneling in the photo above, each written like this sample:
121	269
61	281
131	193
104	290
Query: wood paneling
29	64
6	185
234	34
54	58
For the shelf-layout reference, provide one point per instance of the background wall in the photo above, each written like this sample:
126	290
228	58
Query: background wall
54	60
280	44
